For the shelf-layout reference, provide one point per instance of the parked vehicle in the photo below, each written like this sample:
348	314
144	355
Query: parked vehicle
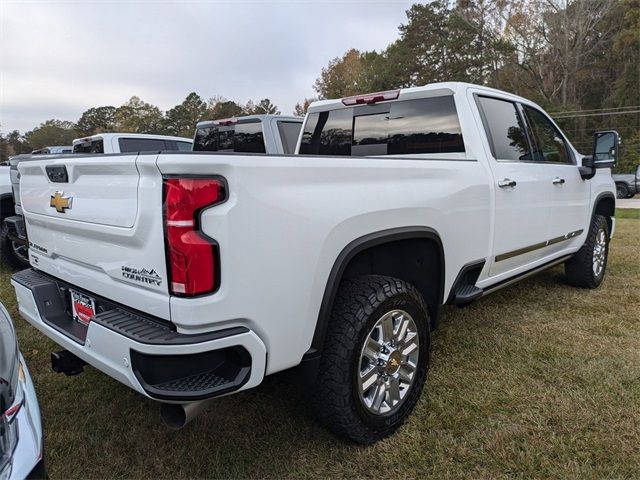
129	142
7	208
6	197
14	247
53	150
627	184
187	276
271	134
21	439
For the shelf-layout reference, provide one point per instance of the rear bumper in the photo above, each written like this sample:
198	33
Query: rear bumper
142	352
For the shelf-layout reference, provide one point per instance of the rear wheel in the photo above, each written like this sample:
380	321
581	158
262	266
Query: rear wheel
15	254
375	360
621	190
587	267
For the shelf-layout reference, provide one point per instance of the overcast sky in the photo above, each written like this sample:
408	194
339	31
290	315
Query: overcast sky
58	58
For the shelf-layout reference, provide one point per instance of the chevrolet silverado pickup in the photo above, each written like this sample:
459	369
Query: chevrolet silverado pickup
190	275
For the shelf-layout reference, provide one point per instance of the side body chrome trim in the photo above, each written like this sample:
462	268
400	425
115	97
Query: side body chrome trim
537	246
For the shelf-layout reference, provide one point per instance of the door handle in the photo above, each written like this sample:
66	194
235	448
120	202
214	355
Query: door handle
507	182
558	181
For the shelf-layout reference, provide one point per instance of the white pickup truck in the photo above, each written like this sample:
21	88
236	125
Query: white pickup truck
13	235
189	275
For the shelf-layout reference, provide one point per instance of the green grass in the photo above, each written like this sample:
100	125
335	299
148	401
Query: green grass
539	380
633	213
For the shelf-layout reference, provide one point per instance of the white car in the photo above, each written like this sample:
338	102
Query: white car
187	276
21	439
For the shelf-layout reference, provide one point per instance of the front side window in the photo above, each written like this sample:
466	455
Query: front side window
408	127
549	144
504	129
183	146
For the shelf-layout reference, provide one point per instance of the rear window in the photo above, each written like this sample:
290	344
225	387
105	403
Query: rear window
426	125
240	137
129	145
289	132
94	146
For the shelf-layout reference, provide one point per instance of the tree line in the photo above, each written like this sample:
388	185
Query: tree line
578	59
134	116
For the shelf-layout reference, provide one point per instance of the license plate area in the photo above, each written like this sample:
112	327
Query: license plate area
83	307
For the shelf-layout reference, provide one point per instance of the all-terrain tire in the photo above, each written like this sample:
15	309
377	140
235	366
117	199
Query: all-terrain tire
7	252
581	269
360	304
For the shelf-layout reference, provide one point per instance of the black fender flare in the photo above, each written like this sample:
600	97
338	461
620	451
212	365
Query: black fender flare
601	197
348	253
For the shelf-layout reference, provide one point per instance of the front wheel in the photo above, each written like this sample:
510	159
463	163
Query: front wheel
375	360
587	267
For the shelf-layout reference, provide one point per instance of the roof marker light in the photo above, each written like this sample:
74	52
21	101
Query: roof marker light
371	98
225	121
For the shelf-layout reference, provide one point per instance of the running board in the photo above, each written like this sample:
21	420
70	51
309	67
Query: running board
522	276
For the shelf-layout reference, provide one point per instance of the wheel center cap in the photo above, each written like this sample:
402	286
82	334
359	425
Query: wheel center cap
394	362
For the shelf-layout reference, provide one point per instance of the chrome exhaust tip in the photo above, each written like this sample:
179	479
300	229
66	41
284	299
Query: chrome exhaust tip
177	415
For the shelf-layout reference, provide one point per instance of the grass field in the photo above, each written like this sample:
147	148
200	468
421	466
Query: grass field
539	380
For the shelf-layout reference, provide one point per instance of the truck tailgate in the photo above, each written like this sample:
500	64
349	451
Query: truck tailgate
90	232
104	189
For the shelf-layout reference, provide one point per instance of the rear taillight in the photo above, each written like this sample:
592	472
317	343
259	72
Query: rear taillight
192	257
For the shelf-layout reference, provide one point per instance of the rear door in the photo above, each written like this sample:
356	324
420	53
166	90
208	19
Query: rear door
521	208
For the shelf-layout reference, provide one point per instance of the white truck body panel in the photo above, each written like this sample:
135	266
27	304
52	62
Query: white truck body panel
285	223
5	180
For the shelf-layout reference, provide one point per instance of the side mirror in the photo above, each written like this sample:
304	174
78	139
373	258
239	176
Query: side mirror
605	149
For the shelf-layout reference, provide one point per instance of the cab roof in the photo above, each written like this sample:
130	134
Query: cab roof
431	89
247	119
107	136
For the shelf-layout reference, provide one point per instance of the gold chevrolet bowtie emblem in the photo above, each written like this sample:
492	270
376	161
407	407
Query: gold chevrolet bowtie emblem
60	202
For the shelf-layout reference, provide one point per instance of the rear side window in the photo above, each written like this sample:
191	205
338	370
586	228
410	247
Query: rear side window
550	146
183	146
504	129
95	146
289	132
241	137
426	125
